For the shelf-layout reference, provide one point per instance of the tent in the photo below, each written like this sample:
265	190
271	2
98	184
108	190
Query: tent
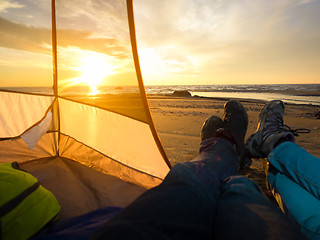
74	110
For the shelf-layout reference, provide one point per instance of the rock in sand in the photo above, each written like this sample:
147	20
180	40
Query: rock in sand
181	93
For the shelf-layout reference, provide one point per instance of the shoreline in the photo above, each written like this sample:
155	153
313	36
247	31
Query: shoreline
249	100
285	92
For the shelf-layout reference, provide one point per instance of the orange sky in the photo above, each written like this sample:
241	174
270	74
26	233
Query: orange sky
179	42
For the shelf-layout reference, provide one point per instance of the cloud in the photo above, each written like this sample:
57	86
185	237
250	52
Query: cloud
4	5
28	38
15	58
107	18
212	22
180	37
86	41
19	36
84	28
225	36
301	2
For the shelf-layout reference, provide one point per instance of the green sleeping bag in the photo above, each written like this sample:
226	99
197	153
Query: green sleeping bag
25	206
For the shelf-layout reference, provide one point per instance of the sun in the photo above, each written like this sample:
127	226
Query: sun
95	67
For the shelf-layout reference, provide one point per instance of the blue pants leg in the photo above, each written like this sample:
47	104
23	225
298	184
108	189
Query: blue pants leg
298	165
244	213
183	206
295	181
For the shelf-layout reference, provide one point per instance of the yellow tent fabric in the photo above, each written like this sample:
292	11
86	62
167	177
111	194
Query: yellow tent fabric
74	110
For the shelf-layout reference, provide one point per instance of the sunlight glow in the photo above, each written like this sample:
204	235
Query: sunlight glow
94	68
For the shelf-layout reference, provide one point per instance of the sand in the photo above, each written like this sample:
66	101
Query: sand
179	120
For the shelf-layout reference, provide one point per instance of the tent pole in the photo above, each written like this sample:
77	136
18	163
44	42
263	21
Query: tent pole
56	112
140	81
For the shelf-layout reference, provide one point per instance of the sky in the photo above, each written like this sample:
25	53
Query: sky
190	42
93	43
229	42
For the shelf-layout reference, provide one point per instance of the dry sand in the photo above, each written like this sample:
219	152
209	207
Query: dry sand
179	120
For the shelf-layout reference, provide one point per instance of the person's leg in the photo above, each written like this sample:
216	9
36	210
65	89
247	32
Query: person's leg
294	178
298	165
272	140
293	172
183	206
244	213
298	204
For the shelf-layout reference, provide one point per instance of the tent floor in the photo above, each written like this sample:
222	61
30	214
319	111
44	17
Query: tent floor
78	188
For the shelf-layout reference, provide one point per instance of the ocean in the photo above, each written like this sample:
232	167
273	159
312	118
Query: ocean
290	93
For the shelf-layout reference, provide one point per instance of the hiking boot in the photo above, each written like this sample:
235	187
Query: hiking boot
235	120
270	130
210	127
235	124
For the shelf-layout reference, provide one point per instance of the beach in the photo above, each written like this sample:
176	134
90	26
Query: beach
179	120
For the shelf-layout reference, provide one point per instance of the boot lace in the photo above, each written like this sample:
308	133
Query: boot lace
296	131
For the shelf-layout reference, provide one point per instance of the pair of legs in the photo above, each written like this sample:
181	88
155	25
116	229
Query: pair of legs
205	198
